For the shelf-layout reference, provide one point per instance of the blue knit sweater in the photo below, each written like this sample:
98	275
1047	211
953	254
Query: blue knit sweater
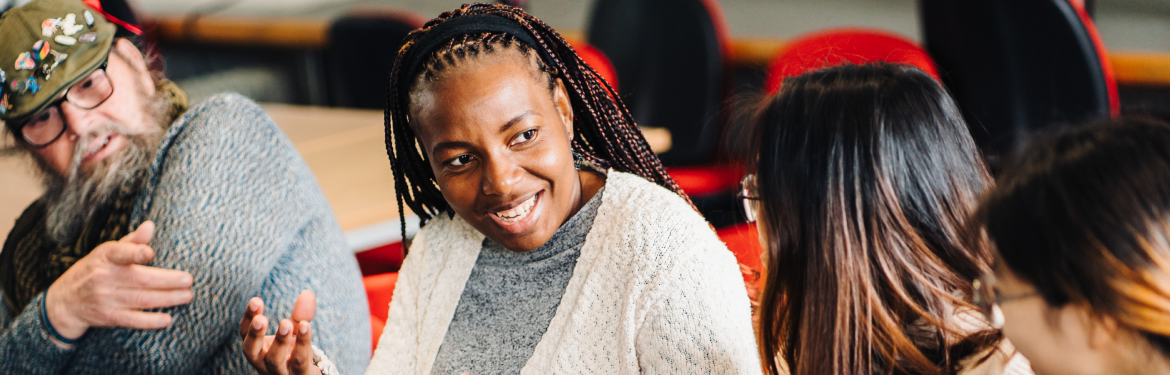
237	207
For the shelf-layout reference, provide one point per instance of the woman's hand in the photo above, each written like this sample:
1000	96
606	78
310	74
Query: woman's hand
288	352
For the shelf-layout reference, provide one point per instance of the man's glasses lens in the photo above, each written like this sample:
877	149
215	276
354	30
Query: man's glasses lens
92	91
46	126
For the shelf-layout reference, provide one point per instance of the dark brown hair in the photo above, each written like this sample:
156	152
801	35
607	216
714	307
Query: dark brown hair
866	175
1084	216
605	133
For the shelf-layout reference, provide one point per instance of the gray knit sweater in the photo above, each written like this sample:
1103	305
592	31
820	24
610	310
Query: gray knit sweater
237	207
509	300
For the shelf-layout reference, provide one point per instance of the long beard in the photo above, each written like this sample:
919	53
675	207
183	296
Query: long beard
71	200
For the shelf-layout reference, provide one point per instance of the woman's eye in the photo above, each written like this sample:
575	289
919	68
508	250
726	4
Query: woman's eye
460	161
526	136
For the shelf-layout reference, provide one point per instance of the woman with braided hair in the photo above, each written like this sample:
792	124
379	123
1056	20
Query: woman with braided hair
553	241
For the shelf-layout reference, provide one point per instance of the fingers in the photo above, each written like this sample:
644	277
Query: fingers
305	307
125	253
142	235
254	343
281	349
144	299
139	319
145	277
301	362
255	307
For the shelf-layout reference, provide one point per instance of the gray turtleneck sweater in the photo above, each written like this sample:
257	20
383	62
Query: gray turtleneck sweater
509	300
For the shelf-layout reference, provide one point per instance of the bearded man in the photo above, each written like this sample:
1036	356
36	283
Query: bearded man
158	222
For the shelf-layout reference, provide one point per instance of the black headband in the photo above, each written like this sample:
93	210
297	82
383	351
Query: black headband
438	35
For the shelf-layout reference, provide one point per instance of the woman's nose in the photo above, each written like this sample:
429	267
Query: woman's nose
500	175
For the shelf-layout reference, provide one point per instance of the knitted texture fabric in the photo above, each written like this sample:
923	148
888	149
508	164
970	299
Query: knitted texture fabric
509	300
237	207
654	291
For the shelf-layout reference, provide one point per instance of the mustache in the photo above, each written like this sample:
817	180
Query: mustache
100	132
72	199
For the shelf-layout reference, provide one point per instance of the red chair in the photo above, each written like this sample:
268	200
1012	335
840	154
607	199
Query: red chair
379	293
744	241
829	48
381	259
598	61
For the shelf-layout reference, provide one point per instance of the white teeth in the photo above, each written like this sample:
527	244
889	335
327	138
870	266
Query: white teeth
105	141
518	212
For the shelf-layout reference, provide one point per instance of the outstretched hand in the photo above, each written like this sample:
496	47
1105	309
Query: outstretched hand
288	352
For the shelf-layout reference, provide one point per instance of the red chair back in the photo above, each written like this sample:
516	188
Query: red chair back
599	62
833	47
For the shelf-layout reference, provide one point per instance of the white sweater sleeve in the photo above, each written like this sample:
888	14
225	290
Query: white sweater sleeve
706	300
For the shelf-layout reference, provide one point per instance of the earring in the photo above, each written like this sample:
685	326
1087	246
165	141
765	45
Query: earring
578	160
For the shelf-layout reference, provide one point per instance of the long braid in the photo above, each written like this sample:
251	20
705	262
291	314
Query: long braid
605	132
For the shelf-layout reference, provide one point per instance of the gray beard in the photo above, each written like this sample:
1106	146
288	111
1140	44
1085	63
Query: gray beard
71	200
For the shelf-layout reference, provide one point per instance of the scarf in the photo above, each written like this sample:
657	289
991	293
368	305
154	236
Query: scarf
30	262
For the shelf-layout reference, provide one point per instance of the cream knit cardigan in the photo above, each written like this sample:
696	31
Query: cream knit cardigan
654	291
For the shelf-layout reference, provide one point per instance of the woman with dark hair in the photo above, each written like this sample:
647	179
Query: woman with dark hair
864	176
553	241
1080	224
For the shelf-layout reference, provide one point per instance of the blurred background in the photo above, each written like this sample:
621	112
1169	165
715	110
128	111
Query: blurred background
319	68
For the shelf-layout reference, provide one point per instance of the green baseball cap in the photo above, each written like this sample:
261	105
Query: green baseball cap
48	46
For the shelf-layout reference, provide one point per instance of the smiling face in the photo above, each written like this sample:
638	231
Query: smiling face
103	150
90	130
499	144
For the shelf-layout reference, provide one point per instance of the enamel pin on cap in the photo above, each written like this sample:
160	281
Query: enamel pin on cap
40	50
49	26
25	62
69	26
31	85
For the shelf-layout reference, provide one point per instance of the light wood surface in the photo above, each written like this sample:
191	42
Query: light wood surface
344	148
19	187
1142	68
1135	68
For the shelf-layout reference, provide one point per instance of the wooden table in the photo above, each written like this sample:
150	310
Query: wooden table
345	149
19	186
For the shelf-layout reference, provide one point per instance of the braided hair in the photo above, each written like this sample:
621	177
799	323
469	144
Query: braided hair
604	131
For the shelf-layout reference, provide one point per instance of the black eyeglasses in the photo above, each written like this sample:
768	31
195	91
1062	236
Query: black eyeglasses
46	126
748	194
988	300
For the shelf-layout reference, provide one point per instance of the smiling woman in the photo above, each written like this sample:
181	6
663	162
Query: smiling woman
553	241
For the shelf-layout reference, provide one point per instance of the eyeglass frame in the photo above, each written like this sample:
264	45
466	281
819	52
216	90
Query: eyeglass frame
19	128
747	194
991	309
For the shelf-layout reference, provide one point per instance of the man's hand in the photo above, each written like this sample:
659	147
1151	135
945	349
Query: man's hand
290	351
110	287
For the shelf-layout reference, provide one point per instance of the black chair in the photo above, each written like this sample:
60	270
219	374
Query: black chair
1016	66
669	57
362	48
